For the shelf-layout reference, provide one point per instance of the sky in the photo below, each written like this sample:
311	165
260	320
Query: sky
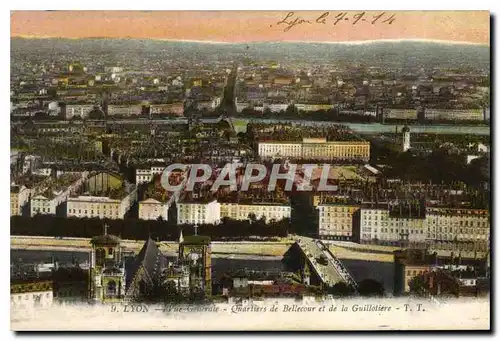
253	26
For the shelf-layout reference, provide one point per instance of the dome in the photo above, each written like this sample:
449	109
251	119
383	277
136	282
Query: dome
105	239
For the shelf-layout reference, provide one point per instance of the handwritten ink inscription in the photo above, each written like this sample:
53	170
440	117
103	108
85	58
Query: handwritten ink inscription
292	20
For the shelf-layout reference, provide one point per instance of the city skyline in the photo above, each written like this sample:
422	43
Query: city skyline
257	26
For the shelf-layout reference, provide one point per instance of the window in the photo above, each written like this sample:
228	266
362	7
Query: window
111	288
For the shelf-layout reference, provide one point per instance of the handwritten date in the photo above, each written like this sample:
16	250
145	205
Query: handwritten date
291	20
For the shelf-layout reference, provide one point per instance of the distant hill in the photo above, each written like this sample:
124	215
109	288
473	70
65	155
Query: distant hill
376	53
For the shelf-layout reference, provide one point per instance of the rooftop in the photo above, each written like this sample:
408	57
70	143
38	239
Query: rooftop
205	240
105	239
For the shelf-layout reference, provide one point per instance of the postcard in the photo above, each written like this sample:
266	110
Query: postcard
250	170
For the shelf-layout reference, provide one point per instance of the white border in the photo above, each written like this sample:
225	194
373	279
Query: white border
199	5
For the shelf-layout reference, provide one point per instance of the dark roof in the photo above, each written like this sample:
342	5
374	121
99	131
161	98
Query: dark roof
149	258
105	239
406	129
196	240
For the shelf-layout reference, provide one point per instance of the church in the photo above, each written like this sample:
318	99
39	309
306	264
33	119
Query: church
150	275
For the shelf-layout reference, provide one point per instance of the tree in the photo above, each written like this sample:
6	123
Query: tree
291	110
252	217
418	285
341	289
370	287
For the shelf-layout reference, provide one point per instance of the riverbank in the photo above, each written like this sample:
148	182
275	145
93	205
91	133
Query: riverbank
229	249
240	125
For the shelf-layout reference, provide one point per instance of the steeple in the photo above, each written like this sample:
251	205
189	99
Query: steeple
181	238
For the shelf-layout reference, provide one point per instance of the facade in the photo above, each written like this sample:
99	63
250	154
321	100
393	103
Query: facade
454	115
280	149
19	196
277	107
198	212
379	227
458	229
172	108
268	211
313	107
401	114
465	231
124	110
143	176
100	206
336	221
316	149
81	110
151	209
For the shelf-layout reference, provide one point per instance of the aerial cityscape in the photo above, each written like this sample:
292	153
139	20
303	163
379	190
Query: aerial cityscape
173	171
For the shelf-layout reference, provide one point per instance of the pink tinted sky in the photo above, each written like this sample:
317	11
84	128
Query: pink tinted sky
248	26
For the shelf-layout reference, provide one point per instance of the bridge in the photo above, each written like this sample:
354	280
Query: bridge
332	271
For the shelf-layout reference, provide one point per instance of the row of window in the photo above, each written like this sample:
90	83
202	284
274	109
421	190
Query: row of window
98	206
98	212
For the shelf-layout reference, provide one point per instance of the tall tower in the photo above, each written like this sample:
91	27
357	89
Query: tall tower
406	138
107	269
195	252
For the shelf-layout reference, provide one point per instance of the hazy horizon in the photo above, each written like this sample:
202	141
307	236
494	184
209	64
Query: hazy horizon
466	27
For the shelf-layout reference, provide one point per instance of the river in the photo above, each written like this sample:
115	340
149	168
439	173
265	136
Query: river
382	272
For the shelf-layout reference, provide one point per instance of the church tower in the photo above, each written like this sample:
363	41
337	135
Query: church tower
195	252
406	138
107	270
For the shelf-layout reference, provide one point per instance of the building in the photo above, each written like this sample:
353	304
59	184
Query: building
198	212
113	69
316	149
280	149
53	193
143	176
31	163
454	115
378	226
107	269
30	294
196	252
80	110
105	195
113	206
409	264
313	107
176	109
406	138
400	114
144	272
20	195
335	221
444	230
124	109
71	285
465	231
267	211
152	209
